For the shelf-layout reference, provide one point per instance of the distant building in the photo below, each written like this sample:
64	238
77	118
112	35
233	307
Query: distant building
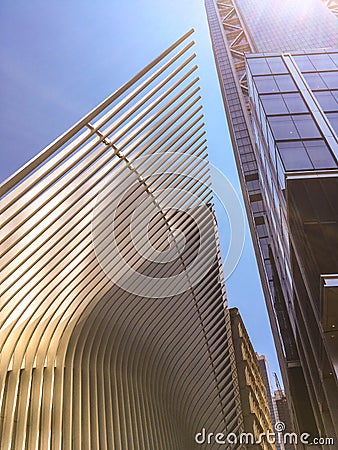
282	415
252	388
263	364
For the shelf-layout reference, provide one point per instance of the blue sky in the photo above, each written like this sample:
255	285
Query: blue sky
59	59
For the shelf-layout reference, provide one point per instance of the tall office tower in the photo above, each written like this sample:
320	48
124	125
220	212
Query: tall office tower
114	327
281	113
253	393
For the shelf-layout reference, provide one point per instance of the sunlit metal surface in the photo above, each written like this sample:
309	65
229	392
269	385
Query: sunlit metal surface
86	361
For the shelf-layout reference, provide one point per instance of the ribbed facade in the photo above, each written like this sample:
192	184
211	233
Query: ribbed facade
87	361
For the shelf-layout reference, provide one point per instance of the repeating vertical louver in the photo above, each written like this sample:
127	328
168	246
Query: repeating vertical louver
118	206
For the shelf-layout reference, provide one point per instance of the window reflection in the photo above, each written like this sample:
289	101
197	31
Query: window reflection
327	100
334	57
274	104
276	83
314	81
283	103
331	79
295	103
306	126
294	156
259	66
305	155
322	62
266	84
319	154
304	63
322	80
293	127
276	65
283	128
333	118
285	83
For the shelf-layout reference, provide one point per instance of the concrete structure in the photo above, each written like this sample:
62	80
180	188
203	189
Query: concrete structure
278	406
253	394
271	52
117	206
263	365
282	415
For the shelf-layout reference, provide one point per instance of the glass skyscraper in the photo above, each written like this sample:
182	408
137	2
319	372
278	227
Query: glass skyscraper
278	73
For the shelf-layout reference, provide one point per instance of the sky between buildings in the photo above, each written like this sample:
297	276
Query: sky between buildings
60	58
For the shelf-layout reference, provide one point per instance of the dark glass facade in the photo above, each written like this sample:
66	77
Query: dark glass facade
286	155
295	138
